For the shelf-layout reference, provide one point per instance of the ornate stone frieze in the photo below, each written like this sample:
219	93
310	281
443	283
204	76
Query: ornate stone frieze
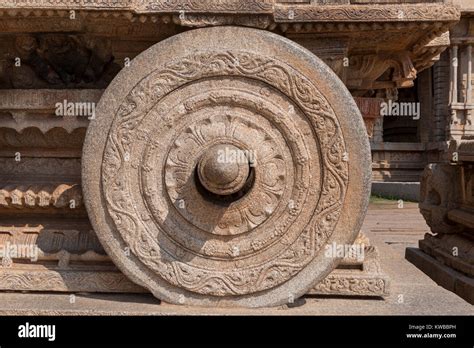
38	279
281	12
213	6
371	13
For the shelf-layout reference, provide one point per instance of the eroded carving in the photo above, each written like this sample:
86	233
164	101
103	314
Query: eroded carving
58	61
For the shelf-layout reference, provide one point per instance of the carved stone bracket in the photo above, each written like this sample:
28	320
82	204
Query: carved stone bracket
381	71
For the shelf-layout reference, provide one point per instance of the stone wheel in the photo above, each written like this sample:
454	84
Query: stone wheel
220	165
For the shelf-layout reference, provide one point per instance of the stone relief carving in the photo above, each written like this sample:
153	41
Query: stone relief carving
67	281
212	6
210	230
252	274
58	61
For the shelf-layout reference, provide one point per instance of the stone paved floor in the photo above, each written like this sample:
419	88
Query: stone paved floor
389	228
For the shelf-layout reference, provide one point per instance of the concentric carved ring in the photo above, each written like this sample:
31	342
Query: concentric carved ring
226	170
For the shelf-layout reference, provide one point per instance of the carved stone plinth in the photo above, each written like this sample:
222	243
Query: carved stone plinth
356	276
70	271
39	278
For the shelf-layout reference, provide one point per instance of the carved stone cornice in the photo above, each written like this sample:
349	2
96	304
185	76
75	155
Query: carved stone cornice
68	4
427	55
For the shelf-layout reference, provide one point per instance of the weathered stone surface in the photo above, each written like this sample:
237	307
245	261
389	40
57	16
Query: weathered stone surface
169	211
217	86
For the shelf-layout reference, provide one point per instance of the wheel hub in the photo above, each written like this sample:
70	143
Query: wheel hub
223	169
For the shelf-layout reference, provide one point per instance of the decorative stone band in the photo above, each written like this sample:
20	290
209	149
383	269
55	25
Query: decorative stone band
39	279
282	13
364	13
220	6
339	283
41	196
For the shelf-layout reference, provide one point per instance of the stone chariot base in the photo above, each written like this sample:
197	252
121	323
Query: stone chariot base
350	278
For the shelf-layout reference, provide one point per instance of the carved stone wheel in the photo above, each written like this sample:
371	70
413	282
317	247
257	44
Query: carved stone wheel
220	165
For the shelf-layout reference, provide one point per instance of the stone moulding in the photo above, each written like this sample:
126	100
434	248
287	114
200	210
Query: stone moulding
34	196
44	99
220	6
253	6
349	284
35	108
